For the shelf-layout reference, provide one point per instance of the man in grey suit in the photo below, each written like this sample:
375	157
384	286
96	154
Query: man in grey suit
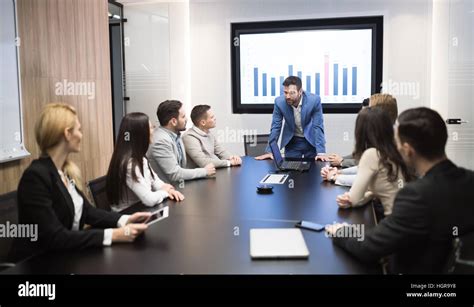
166	153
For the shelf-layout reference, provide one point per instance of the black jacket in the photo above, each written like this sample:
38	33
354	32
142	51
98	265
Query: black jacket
427	214
43	199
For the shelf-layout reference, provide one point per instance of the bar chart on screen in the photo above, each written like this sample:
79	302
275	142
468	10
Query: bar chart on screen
334	64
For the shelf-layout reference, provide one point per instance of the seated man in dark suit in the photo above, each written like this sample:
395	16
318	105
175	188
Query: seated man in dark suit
427	213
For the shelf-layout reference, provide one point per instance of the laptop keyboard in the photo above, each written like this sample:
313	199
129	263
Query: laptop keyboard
291	164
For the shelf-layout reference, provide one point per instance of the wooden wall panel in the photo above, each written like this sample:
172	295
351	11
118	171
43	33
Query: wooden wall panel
65	40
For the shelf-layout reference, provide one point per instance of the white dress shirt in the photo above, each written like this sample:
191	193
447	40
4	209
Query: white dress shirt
78	202
297	113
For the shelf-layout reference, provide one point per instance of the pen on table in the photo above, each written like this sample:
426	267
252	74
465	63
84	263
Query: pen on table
283	178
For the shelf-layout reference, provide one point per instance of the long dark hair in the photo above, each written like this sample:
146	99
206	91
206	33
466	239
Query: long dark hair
131	146
374	129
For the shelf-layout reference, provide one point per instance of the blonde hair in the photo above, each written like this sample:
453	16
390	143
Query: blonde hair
387	102
49	131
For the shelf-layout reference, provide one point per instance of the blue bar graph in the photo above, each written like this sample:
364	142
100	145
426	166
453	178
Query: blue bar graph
344	81
354	80
273	86
257	74
264	84
282	79
255	81
318	83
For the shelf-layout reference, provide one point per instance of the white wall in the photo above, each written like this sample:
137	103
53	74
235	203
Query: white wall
407	42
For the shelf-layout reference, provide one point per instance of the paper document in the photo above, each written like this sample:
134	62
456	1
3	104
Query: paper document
274	179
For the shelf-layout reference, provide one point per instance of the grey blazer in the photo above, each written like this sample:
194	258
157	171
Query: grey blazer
163	157
203	148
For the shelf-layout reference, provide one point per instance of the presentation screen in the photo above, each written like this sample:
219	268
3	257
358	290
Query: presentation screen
336	59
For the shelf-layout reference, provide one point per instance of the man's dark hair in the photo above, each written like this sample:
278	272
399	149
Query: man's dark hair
167	110
293	80
198	113
425	130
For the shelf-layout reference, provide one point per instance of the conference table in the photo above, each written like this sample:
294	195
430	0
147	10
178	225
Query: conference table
209	232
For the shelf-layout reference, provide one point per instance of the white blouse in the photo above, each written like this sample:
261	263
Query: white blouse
147	189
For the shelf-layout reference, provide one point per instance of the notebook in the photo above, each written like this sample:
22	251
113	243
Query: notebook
277	243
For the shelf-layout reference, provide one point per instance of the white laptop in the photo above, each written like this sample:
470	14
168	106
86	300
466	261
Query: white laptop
277	243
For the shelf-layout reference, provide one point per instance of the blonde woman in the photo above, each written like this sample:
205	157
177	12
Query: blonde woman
50	193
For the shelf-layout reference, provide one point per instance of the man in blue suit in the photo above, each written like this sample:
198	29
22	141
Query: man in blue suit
303	132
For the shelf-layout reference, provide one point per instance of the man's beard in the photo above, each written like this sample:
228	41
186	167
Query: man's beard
293	102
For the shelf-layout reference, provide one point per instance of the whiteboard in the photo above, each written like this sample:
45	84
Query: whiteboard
11	124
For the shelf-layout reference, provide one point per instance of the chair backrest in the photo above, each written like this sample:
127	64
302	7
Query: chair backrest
461	257
99	195
255	144
8	213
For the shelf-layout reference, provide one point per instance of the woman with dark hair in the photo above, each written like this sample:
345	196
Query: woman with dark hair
130	178
381	170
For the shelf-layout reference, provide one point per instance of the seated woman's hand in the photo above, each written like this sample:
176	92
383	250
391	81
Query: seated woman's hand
139	217
344	200
128	233
172	193
329	173
175	195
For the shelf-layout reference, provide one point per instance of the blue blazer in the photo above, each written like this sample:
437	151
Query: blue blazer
311	120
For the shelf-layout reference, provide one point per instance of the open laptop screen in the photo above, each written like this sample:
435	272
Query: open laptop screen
276	153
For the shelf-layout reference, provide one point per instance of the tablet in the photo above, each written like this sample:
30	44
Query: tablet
158	215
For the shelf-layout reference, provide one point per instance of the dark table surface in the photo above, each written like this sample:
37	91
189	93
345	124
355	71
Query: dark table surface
208	233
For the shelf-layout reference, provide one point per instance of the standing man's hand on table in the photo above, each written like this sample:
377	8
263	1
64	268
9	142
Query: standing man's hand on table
335	159
265	156
321	157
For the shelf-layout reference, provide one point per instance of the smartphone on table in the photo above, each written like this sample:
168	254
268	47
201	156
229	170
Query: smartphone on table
310	226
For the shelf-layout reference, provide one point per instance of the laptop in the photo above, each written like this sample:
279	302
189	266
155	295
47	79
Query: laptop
277	243
286	165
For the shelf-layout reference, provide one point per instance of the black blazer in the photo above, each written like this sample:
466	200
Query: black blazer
427	214
43	199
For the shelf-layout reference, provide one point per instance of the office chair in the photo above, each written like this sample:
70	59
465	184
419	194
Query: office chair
255	144
8	213
461	257
99	195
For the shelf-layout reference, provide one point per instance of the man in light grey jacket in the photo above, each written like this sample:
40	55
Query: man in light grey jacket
201	145
167	154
